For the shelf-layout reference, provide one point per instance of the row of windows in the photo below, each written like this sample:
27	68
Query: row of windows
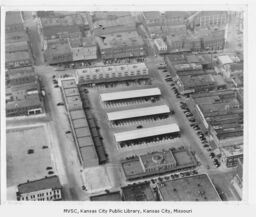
113	75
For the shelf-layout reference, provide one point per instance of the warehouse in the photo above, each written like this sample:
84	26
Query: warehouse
154	112
147	135
152	94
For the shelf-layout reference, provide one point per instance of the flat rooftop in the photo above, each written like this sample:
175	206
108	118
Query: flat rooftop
157	159
195	81
130	94
52	182
138	192
15	37
85	141
82	132
68	83
193	188
146	132
140	112
120	40
31	101
158	162
71	92
112	196
17	56
89	156
81	122
77	114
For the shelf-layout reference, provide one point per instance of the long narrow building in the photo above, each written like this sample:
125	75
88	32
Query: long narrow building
122	95
140	112
147	135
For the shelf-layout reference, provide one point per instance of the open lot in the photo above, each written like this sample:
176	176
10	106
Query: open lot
22	166
96	179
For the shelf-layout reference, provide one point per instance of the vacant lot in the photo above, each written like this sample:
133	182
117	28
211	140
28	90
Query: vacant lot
96	179
22	166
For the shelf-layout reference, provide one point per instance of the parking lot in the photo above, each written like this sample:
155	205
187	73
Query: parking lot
28	155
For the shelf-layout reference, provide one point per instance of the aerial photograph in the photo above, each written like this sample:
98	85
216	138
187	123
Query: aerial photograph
124	105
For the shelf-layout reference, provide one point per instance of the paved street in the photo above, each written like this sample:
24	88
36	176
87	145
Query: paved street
34	37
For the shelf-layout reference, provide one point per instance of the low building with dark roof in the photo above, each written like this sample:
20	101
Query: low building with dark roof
111	196
46	189
193	188
138	192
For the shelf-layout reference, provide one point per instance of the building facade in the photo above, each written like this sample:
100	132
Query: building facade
46	189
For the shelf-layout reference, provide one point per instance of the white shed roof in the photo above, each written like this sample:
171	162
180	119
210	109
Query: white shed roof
146	132
140	112
130	94
225	59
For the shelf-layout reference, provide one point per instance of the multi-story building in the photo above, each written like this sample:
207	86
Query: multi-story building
214	40
111	73
53	33
191	188
232	155
237	181
58	51
138	192
46	189
64	20
200	83
16	41
14	22
175	43
22	93
211	18
18	59
108	26
179	30
158	162
121	45
175	18
160	45
152	18
83	48
220	114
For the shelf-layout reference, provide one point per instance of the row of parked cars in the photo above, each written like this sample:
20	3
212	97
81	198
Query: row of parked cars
175	176
200	134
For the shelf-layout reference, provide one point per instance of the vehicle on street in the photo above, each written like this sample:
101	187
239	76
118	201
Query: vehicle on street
60	103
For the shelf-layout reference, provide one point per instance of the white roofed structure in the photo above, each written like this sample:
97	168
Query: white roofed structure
140	112
146	132
130	94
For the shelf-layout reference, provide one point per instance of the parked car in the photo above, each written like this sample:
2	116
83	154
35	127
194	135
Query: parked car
60	103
